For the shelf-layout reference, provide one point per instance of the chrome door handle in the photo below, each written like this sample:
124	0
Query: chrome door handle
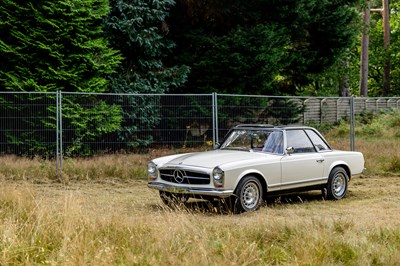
320	160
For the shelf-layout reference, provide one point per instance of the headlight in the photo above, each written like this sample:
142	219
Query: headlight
152	170
218	177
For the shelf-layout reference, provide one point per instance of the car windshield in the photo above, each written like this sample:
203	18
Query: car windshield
269	141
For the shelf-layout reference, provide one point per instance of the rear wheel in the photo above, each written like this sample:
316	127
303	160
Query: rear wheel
248	195
337	184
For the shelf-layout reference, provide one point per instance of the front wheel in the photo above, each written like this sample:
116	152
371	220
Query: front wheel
337	184
248	195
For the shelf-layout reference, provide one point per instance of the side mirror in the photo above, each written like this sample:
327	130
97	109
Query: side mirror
290	150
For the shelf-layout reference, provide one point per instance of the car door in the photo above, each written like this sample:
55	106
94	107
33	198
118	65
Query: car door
304	166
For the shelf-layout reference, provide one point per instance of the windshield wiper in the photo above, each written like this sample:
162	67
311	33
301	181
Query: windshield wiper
236	149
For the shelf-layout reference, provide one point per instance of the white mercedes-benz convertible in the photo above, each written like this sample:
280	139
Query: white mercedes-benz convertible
253	162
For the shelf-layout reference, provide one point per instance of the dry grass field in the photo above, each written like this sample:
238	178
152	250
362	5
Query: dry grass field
124	223
102	213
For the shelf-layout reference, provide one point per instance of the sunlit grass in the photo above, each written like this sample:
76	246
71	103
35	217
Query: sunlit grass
121	222
21	168
116	166
89	225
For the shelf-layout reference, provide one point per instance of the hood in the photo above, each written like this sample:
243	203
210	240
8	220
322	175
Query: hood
211	159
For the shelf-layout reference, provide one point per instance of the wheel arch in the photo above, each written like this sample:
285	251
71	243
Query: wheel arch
344	166
260	178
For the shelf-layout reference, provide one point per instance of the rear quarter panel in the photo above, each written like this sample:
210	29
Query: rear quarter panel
353	160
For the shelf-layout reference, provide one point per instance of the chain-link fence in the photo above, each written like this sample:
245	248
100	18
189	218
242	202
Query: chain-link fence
82	124
127	122
27	123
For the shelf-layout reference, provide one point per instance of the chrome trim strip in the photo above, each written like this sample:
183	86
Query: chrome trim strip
187	176
200	170
191	190
318	180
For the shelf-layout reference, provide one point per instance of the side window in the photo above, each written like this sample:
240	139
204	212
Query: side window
319	143
299	140
274	143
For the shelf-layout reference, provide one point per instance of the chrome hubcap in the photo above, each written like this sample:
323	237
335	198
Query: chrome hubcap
250	195
339	184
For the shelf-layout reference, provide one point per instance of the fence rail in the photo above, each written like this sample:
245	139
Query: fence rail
80	124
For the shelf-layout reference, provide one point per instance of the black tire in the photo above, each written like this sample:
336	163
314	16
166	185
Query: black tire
337	184
173	200
248	195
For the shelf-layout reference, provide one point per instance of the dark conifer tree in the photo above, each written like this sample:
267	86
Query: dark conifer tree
52	45
55	45
260	46
138	29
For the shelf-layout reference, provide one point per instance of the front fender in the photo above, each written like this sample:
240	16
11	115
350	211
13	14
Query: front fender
233	177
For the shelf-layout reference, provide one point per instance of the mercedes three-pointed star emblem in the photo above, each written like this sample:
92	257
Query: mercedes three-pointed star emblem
179	176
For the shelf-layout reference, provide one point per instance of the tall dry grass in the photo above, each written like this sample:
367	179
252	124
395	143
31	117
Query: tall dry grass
122	222
382	157
116	166
377	136
92	224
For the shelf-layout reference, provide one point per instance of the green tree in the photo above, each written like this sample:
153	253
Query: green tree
51	45
378	55
55	45
281	43
138	29
327	82
244	62
395	47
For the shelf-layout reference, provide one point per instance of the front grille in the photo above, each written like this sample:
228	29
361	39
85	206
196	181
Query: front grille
181	176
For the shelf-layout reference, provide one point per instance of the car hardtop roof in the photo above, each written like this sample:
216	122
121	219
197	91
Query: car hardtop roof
269	126
255	125
294	127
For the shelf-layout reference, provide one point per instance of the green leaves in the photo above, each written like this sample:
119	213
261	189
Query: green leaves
136	28
55	45
47	46
244	61
260	47
89	121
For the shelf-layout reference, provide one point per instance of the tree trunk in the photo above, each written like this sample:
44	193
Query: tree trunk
386	45
344	88
344	82
364	52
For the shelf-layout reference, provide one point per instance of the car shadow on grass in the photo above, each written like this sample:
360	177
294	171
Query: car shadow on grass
224	207
295	198
195	206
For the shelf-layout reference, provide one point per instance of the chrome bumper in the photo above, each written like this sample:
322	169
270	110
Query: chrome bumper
191	190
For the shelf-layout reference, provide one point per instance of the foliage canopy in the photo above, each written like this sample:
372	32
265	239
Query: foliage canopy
137	28
55	45
47	46
260	46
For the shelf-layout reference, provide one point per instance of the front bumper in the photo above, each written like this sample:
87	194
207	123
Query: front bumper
191	190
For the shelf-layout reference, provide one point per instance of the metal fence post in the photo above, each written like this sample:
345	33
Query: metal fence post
215	119
61	136
57	135
59	150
